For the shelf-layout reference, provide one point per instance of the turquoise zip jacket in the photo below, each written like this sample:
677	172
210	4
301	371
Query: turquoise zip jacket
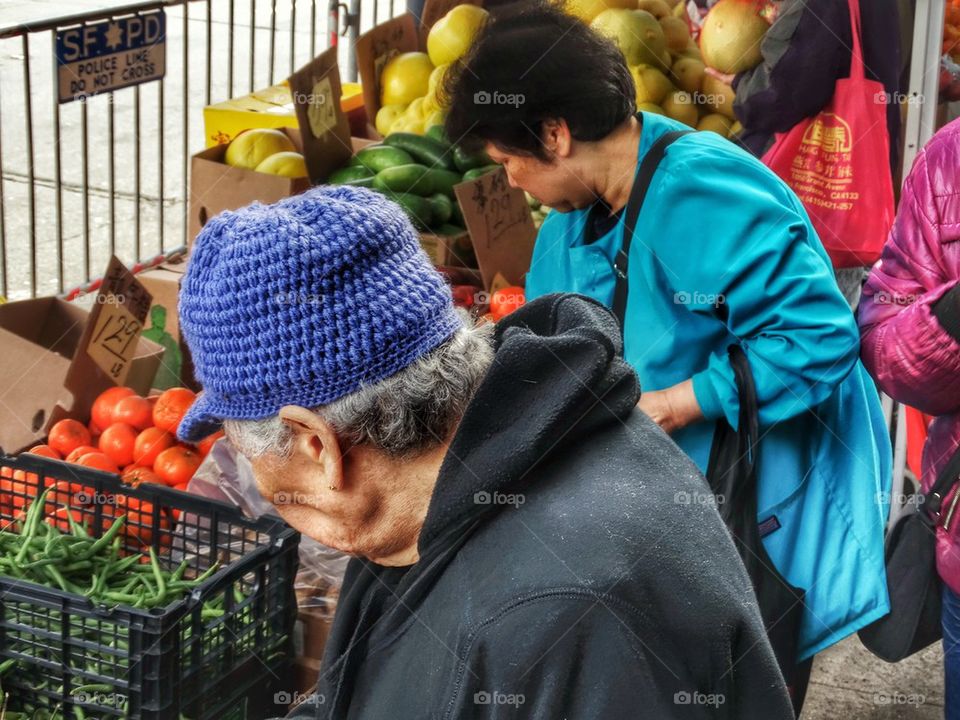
724	253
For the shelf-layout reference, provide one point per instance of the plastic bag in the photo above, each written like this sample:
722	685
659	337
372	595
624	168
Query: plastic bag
228	476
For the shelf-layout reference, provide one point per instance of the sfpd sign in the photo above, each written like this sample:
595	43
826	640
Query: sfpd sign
104	56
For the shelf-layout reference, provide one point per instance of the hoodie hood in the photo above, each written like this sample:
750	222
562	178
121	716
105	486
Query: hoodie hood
558	375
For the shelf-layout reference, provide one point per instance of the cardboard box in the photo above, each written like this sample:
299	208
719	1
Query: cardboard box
163	324
323	138
270	107
376	47
216	186
449	250
311	632
498	219
49	371
306	672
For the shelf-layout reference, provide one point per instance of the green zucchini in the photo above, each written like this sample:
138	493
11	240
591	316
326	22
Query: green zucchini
468	161
418	209
435	132
449	230
477	172
456	217
442	207
349	174
425	150
443	181
380	157
404	178
366	182
416	178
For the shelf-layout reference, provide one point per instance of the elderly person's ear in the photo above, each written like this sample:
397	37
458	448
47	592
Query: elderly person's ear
314	440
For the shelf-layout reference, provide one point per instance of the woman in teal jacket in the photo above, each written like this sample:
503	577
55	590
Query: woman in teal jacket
723	253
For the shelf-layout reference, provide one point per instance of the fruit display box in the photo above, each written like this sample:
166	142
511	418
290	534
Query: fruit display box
47	375
60	650
322	136
270	107
216	186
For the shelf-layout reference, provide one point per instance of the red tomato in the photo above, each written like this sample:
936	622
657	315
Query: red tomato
505	300
45	451
204	445
463	295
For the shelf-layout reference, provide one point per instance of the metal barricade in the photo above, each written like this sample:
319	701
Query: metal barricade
108	174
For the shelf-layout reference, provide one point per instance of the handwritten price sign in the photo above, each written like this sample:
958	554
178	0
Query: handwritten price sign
117	321
498	218
114	339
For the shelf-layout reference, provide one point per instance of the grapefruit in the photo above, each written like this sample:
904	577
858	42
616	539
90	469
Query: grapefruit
658	8
731	35
286	164
652	85
680	106
587	10
676	33
405	78
453	34
688	74
719	96
715	122
252	147
637	34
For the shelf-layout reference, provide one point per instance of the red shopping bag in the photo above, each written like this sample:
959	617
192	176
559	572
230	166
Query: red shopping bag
838	164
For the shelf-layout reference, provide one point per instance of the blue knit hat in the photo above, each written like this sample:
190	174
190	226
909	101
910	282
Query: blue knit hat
304	301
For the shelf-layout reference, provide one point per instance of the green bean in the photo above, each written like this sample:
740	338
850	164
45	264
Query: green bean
129	585
158	574
75	528
126	598
149	589
178	573
77	566
93	687
30	524
107	538
203	576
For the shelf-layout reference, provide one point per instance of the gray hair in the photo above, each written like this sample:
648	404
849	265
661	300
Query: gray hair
404	415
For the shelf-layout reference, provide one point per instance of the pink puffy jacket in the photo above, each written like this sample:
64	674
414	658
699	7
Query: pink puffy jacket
906	345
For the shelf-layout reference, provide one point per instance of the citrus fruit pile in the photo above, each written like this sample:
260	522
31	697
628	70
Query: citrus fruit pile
411	83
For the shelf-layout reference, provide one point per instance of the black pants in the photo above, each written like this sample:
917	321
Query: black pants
801	681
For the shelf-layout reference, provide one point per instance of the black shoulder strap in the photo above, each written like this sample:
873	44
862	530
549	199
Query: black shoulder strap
637	194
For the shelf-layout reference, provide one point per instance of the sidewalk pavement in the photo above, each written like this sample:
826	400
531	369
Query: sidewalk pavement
850	683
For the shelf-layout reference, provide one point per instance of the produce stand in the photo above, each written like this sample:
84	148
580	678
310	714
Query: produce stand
211	613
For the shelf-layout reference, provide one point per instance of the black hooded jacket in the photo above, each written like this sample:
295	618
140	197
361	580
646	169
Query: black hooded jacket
571	562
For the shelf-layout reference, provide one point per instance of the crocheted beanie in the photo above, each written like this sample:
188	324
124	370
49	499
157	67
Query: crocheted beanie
304	301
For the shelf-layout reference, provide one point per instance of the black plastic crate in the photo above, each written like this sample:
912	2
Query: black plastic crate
79	660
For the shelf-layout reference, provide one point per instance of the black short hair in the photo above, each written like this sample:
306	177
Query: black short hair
533	62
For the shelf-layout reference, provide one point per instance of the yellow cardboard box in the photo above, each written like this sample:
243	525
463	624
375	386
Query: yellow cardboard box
271	107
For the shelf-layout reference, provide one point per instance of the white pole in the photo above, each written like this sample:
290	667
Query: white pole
924	78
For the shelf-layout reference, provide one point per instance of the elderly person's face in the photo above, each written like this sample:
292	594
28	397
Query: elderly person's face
352	498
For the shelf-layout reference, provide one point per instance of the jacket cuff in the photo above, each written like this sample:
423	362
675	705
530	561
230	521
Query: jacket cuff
947	311
707	397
